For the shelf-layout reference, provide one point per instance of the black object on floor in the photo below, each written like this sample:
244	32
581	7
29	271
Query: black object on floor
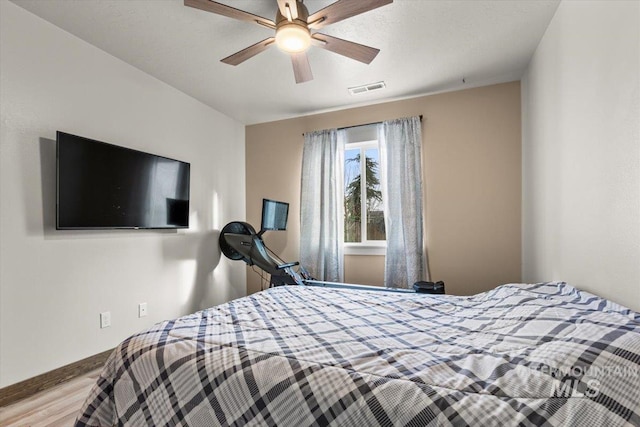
429	287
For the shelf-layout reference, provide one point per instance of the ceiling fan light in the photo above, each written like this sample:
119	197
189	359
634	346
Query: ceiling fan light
293	38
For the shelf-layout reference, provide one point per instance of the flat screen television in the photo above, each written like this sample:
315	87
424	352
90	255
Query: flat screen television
105	186
274	215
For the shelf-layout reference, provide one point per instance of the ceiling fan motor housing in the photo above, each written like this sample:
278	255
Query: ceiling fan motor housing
303	14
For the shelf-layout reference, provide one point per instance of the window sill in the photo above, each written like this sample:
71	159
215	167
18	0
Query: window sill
351	249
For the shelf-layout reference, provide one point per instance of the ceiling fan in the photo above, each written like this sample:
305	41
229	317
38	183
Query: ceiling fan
293	26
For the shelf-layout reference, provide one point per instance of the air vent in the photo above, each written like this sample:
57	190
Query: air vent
366	88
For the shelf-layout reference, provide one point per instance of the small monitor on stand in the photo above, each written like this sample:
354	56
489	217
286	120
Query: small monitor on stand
274	215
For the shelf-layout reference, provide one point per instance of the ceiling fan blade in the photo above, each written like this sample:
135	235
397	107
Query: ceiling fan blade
343	9
291	5
251	51
301	67
228	11
352	50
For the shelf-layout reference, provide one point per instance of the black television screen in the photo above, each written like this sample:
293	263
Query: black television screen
101	186
274	215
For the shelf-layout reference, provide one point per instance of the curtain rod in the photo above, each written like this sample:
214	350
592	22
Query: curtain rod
365	124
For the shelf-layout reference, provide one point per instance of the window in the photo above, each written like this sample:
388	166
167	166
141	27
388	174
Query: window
364	231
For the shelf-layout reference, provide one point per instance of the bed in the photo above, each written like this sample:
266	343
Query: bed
522	354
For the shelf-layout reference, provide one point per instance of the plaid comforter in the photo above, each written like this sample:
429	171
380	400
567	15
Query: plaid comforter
529	355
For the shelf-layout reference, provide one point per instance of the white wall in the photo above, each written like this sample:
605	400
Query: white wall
581	151
54	284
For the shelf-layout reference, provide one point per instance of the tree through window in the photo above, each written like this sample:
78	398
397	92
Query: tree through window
363	207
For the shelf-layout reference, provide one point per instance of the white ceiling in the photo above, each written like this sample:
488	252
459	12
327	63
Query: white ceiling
425	47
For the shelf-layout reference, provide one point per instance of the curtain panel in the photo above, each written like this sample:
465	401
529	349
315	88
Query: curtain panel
322	205
400	143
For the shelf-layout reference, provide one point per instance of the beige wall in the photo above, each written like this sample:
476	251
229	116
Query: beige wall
472	176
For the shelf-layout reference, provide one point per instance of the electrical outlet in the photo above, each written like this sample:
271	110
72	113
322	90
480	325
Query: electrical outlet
142	309
105	319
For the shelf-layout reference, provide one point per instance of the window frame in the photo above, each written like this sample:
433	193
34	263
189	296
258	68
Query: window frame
365	247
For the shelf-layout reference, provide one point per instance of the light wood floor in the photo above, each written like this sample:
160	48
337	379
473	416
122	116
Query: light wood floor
56	407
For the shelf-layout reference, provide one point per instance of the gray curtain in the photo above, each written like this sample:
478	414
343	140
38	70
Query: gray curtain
401	176
321	205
